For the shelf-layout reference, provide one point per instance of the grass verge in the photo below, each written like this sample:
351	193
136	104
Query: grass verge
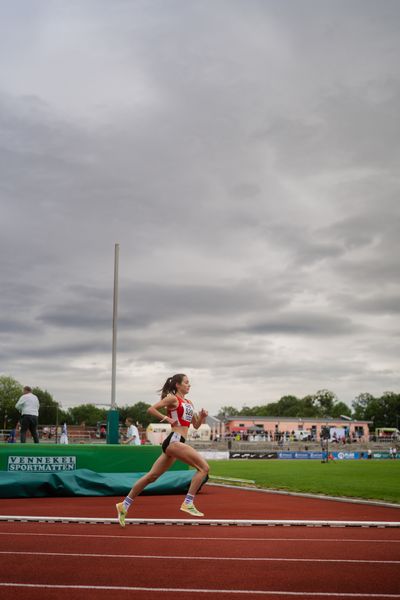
376	480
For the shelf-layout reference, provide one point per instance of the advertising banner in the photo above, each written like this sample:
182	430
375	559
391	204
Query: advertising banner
41	464
107	458
301	455
346	455
381	455
252	455
214	455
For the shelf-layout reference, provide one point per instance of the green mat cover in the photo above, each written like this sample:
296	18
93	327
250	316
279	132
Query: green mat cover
84	482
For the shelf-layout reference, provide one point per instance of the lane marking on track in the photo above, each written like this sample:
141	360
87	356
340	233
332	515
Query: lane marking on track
235	522
196	590
215	539
181	558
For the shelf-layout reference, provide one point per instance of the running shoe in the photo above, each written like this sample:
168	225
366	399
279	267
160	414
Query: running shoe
121	510
192	510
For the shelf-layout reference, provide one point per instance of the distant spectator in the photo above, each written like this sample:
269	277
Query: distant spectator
132	433
64	434
28	406
12	436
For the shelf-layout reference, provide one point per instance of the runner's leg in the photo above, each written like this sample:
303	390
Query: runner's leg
191	457
162	464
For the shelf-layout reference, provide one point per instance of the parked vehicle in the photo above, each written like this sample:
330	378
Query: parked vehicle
387	433
157	432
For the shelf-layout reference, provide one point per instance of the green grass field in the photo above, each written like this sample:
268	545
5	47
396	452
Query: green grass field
378	480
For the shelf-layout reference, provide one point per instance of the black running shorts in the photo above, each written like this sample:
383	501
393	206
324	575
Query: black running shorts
173	437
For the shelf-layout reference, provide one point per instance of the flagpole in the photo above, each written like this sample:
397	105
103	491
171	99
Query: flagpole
113	415
114	328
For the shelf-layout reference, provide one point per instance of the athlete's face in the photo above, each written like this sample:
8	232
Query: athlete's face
184	386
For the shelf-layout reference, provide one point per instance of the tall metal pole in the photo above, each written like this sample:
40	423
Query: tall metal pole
57	424
114	334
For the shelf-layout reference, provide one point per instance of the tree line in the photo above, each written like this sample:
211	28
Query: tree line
51	412
383	411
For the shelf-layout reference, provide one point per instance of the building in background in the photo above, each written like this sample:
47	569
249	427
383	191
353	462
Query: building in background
303	429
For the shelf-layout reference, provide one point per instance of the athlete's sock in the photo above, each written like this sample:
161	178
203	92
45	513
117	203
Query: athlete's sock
189	499
127	502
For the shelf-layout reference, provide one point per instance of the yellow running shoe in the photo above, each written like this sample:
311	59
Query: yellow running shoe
192	510
121	510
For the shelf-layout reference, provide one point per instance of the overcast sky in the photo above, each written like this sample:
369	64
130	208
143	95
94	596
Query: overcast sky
245	156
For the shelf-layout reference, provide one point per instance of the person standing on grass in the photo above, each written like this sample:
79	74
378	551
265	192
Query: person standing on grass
28	406
64	434
180	414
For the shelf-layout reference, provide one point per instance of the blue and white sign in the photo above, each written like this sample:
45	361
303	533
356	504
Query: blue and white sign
301	455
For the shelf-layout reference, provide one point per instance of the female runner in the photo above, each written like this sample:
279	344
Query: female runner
180	414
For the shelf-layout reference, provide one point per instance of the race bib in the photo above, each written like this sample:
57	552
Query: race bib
187	412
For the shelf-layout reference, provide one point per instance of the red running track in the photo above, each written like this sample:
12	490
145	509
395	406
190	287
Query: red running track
106	561
215	501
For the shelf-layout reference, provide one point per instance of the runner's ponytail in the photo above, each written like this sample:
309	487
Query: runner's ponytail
169	386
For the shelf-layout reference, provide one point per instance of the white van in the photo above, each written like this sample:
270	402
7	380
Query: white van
301	435
202	434
157	432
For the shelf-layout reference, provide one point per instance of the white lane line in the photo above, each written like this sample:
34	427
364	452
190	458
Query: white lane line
213	558
205	522
215	539
126	588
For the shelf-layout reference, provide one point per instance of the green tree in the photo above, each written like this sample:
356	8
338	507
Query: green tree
325	399
309	407
340	408
272	409
383	411
227	411
49	410
87	413
254	411
375	412
10	392
289	406
360	405
391	402
138	413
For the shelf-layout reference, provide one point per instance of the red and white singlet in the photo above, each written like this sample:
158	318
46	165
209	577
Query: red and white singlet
183	413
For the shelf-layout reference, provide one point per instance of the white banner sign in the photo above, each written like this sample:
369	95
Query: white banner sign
214	455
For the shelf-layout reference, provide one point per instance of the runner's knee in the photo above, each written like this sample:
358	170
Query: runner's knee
204	469
151	477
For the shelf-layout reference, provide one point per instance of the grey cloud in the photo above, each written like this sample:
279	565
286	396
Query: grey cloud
377	303
13	325
243	154
67	350
307	324
143	304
